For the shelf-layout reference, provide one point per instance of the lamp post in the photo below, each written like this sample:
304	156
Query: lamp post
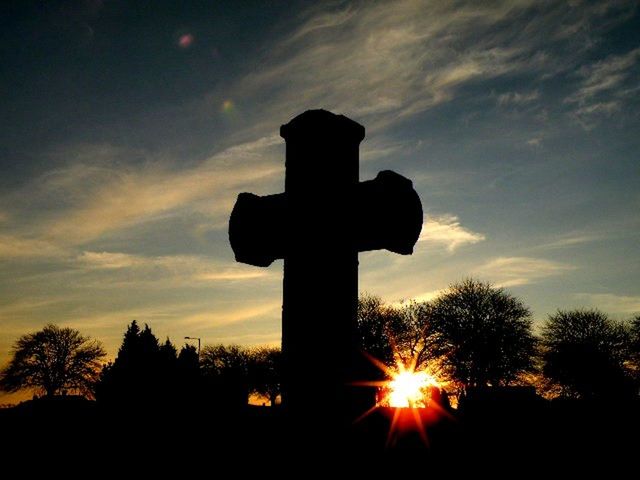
195	338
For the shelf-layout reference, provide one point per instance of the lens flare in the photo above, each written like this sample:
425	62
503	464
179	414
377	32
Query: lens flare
227	106
186	40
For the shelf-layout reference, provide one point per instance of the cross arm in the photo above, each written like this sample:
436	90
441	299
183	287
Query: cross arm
388	215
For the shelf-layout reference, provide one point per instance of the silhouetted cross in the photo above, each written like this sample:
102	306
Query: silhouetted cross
318	226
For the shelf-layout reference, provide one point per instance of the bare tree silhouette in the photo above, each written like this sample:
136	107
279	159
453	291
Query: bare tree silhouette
401	333
264	372
485	332
377	325
53	360
585	352
224	370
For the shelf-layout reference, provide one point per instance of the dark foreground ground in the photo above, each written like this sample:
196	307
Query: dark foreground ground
62	434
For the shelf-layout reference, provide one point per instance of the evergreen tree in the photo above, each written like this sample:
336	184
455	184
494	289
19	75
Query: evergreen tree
143	372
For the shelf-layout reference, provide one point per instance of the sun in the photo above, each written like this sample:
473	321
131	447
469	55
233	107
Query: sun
410	389
406	386
411	396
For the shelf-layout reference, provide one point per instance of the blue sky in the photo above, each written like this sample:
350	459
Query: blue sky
128	130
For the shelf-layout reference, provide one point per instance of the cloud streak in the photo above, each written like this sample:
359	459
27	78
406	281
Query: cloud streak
605	85
518	98
71	206
383	62
236	314
380	63
517	271
571	240
446	231
16	247
609	302
142	194
169	268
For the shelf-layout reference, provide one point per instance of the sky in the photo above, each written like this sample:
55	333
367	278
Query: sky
129	127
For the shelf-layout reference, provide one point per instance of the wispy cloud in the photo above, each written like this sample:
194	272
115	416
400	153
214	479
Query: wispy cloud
23	308
170	268
318	22
605	75
234	315
421	297
518	98
143	194
515	271
381	62
570	240
608	302
14	247
446	231
376	149
232	274
78	203
109	260
605	86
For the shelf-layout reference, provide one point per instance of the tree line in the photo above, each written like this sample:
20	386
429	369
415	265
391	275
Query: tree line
473	335
60	361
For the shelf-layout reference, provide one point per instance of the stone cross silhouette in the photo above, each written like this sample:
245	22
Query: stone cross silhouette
318	226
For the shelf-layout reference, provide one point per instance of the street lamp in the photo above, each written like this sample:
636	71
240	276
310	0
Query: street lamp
195	338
